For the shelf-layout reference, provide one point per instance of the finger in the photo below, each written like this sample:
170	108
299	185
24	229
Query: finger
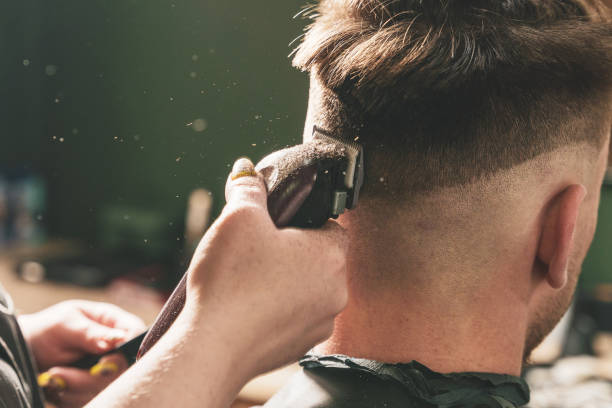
98	338
82	390
328	248
112	316
331	235
68	386
335	232
245	185
71	386
53	386
111	365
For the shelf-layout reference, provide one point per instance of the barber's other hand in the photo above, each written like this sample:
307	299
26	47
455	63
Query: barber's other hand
68	387
268	294
67	331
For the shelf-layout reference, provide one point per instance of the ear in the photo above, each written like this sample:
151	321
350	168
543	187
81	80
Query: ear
557	235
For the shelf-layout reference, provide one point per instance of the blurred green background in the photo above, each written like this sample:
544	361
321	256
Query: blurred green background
596	267
124	107
134	103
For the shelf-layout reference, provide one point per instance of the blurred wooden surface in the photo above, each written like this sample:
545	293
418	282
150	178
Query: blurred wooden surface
32	297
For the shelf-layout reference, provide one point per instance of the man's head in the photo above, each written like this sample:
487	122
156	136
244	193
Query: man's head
483	122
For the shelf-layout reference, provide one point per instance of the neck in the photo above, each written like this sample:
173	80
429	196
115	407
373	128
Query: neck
403	308
443	343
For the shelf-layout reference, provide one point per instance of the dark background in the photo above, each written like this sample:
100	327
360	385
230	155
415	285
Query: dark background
97	98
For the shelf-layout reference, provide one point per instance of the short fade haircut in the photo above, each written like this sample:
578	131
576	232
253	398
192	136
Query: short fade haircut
445	92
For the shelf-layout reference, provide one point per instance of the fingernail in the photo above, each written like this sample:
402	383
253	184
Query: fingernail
243	168
116	335
103	344
104	369
48	380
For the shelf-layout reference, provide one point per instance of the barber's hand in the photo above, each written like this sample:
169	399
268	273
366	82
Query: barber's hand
66	332
257	298
270	294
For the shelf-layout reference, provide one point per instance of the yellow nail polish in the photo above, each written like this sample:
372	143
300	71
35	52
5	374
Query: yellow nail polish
243	168
48	380
105	368
43	379
236	176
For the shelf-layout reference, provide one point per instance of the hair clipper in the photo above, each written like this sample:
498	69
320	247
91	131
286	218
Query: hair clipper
307	185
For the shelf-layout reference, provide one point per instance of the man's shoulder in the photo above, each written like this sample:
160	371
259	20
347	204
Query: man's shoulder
12	394
342	382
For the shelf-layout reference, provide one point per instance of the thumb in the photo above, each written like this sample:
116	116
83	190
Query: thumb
245	185
97	338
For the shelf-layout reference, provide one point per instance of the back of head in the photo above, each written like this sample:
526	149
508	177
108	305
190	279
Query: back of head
443	93
482	121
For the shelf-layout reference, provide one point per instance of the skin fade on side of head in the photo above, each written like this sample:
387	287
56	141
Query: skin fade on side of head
483	124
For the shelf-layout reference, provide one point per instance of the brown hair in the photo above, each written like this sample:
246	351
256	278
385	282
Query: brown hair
444	92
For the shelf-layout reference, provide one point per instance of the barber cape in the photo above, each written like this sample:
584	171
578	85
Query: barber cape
338	381
18	386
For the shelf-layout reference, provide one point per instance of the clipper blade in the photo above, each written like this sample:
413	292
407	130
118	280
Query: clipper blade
354	172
